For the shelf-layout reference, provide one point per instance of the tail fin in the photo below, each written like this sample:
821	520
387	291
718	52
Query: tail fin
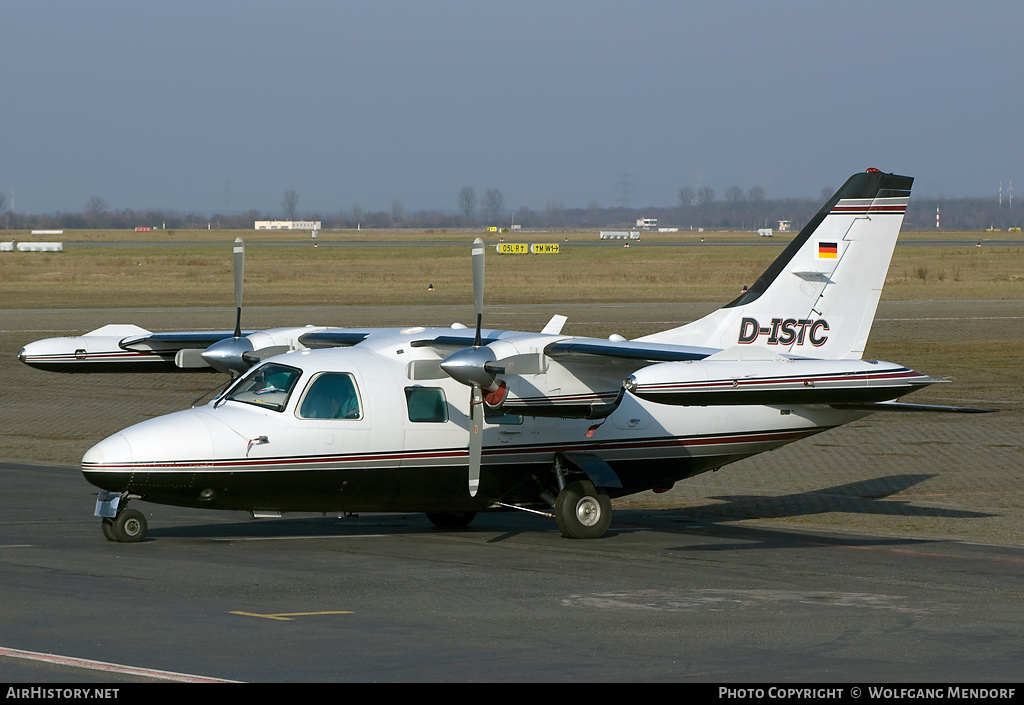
818	298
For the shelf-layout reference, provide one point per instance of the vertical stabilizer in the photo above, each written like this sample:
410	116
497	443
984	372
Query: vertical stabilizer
818	298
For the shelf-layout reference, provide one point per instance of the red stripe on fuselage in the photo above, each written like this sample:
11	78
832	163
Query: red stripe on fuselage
298	463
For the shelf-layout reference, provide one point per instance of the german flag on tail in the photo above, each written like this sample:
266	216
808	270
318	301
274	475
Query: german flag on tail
828	250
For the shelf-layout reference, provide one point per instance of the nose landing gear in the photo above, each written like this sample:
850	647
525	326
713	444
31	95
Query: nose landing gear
129	526
118	522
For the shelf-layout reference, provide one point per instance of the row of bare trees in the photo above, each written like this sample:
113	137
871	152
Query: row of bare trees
695	208
734	196
492	205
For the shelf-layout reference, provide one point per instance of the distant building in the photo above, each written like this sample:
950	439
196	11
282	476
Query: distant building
287	225
647	223
783	225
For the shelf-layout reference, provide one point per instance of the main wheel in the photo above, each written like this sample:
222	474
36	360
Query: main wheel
129	526
583	512
450	520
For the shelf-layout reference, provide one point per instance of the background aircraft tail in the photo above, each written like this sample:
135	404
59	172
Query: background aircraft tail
818	298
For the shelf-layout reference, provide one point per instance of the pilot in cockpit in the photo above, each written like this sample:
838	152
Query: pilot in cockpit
332	395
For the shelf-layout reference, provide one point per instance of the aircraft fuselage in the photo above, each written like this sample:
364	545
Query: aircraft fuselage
405	447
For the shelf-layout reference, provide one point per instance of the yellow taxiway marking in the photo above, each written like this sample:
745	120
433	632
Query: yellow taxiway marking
287	616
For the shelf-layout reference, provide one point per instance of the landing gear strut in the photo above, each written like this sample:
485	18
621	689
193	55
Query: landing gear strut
118	522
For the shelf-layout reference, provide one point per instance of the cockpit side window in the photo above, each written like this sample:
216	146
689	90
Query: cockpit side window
331	395
426	404
268	386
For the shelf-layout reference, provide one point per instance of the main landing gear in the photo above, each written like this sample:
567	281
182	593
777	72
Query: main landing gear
118	522
582	511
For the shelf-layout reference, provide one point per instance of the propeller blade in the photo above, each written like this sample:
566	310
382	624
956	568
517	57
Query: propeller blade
476	432
478	286
239	275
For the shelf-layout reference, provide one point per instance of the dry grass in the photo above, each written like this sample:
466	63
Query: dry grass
302	237
196	274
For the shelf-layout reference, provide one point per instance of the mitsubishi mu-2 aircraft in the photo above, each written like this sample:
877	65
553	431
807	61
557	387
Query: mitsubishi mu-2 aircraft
456	421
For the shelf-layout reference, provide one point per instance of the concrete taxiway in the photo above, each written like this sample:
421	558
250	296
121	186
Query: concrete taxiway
388	598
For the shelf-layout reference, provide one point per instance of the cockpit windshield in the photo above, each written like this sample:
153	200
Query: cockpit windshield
268	386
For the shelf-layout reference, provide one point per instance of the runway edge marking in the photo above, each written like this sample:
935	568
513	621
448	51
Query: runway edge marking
170	676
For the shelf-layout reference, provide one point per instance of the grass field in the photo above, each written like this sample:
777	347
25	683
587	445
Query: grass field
302	237
190	272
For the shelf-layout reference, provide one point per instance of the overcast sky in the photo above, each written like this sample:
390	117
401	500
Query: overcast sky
224	105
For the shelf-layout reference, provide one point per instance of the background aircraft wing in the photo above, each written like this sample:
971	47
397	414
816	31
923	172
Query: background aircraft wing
172	342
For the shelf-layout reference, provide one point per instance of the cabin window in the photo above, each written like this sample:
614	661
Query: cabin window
331	395
268	386
426	404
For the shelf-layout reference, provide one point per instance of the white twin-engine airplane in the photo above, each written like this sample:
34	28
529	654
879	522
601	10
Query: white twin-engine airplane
454	421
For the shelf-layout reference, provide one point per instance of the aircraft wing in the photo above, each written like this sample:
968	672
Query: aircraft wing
116	348
129	348
170	343
625	350
333	337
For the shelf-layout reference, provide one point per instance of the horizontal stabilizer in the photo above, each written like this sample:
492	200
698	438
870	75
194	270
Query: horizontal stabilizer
731	382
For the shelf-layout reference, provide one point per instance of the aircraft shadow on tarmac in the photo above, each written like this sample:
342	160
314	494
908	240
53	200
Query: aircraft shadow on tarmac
295	527
863	497
712	521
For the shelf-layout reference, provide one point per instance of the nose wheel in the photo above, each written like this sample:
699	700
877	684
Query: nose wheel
129	526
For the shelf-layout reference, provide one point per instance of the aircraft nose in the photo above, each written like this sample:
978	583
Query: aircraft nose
114	450
30	351
180	437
